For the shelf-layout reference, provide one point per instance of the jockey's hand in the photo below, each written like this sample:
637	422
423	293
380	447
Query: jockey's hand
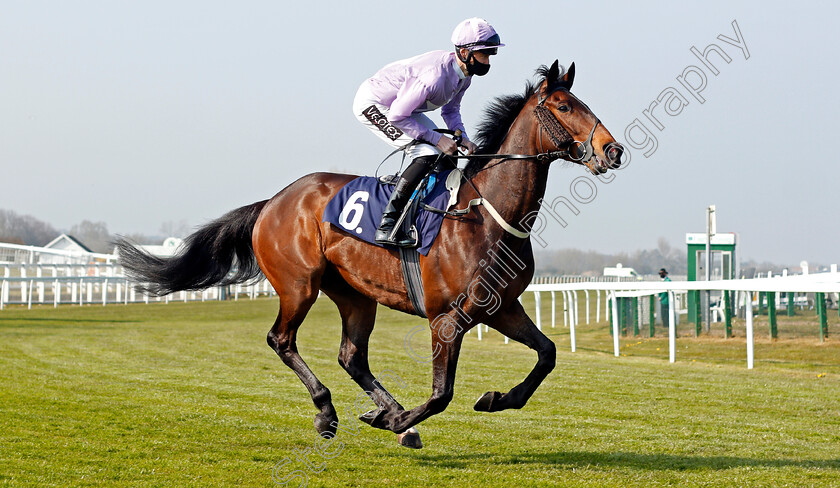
470	147
447	145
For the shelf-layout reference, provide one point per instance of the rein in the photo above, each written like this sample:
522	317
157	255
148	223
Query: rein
543	156
556	132
558	135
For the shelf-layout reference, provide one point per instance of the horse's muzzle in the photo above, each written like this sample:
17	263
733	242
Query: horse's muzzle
597	165
613	153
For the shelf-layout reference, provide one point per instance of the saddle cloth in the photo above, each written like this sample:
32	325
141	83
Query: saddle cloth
357	207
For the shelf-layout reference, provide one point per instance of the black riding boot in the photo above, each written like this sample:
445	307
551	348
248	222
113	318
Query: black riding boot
411	177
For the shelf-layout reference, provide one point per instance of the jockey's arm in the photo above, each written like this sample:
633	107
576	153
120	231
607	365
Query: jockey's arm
451	113
411	96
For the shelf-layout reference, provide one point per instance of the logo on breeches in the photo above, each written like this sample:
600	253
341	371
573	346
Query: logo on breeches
376	118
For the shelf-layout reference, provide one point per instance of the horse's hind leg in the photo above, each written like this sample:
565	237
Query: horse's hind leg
358	314
516	324
447	335
295	302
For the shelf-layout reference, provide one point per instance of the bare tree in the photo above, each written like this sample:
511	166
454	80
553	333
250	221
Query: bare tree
664	246
175	229
25	229
94	235
577	262
142	239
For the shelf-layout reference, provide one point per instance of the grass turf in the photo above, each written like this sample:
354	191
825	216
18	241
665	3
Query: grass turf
177	394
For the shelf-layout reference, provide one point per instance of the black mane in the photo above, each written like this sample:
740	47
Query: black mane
498	117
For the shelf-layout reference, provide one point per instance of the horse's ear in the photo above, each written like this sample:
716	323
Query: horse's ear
553	73
569	78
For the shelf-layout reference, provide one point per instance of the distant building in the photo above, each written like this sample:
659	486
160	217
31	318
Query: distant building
64	249
621	272
68	247
65	242
167	249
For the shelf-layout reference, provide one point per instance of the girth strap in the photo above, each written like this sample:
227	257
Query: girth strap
410	262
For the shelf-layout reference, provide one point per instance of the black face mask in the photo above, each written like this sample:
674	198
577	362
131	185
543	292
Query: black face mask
477	68
474	67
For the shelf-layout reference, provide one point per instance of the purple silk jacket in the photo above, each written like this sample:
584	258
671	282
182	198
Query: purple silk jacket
421	84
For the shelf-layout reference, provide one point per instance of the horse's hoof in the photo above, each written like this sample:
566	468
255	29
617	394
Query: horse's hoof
410	439
325	426
374	418
487	402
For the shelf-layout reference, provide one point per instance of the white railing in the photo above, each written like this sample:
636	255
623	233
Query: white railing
107	290
57	270
20	254
105	284
557	279
812	283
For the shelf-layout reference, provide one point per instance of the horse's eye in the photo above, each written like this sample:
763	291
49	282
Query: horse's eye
563	108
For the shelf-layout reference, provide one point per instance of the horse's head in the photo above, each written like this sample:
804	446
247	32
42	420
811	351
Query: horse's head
567	124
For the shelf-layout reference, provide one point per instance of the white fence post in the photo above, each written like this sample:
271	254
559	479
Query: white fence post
615	324
5	291
572	323
41	288
23	293
587	305
565	308
672	327
749	312
553	309
598	305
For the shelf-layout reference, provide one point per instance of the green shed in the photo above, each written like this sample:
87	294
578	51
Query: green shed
724	266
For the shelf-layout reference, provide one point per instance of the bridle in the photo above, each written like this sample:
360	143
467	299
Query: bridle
578	151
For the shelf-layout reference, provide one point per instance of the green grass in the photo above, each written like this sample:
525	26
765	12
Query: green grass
189	394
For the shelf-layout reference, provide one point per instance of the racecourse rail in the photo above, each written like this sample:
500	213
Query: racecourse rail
97	284
105	283
819	283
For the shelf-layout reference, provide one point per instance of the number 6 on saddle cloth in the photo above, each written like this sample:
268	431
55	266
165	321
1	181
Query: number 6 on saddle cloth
358	206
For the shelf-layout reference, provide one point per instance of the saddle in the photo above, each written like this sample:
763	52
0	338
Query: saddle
357	209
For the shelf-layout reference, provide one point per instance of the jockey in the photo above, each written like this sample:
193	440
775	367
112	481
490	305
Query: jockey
391	104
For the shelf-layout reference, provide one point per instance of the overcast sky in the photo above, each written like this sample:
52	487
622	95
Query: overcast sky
137	113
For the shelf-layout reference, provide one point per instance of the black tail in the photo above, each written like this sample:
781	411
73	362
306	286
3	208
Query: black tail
205	259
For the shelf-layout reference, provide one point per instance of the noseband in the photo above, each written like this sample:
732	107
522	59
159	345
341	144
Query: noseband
577	151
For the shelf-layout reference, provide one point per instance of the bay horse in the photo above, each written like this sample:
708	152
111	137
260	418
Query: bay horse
465	275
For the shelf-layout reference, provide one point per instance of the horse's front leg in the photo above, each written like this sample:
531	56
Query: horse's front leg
516	324
447	335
